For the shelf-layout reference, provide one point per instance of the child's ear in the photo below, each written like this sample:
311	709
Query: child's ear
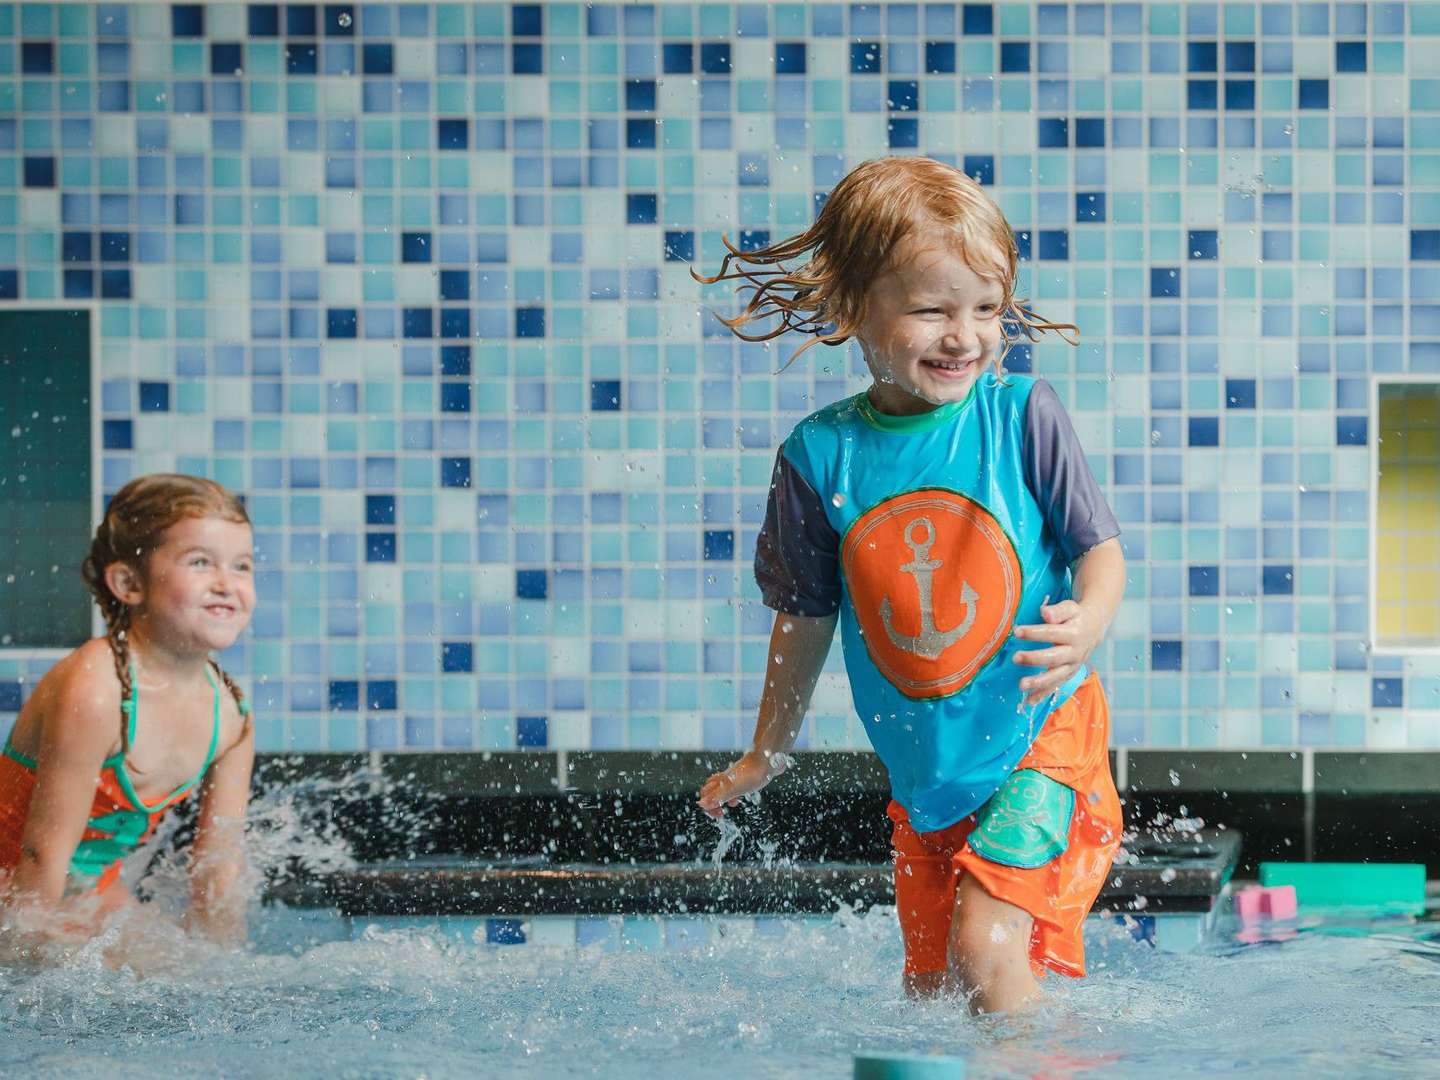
124	583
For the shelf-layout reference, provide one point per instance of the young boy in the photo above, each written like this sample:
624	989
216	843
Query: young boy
944	517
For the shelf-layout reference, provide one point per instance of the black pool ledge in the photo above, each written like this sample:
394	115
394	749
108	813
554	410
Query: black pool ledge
1183	874
591	807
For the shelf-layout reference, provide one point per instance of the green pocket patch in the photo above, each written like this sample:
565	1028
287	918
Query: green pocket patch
1026	823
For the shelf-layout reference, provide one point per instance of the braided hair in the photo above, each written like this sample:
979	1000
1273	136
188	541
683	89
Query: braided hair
133	527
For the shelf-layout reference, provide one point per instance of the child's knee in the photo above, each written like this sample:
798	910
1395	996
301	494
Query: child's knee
987	934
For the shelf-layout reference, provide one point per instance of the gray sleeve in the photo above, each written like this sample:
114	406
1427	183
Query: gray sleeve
797	555
1060	478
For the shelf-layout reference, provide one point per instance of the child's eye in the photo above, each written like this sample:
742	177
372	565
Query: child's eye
927	311
200	560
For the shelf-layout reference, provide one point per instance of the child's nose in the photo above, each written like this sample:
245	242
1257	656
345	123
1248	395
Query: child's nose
961	336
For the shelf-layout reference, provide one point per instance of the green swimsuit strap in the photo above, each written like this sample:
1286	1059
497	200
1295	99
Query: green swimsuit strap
132	710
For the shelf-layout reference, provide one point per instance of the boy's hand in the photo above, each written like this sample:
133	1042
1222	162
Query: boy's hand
1073	631
751	773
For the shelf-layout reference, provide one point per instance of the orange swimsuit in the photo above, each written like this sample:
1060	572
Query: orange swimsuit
119	822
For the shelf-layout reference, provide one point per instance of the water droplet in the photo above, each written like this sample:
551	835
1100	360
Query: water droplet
836	500
344	18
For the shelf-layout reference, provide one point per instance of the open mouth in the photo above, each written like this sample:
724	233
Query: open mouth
949	369
223	611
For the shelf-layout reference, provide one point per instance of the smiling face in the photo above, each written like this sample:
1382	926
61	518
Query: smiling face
198	590
932	326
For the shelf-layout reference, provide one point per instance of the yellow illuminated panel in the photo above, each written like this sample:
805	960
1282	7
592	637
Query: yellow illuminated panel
1407	516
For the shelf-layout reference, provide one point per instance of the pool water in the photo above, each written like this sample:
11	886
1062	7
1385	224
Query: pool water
317	995
800	1002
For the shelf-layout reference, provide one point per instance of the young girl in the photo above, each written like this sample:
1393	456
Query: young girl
129	724
946	516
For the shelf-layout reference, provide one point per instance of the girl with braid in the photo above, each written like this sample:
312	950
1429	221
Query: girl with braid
131	723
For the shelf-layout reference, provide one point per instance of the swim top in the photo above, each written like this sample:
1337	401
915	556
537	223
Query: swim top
119	822
934	536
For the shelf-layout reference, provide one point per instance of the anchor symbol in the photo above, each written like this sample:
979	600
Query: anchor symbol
930	642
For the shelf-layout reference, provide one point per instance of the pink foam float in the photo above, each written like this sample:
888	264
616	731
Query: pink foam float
1258	904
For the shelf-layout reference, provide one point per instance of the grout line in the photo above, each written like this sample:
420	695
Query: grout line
1307	789
562	770
1122	768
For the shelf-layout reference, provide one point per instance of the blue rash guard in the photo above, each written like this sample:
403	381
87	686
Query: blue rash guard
934	536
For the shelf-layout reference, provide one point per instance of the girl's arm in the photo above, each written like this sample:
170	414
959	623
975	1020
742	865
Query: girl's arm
1074	627
798	647
219	892
79	716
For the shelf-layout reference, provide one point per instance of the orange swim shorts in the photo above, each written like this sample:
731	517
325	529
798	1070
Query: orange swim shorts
1044	842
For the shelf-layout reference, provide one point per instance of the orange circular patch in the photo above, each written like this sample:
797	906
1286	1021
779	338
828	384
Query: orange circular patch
935	583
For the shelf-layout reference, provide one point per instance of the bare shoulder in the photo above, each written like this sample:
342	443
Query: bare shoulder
80	696
235	725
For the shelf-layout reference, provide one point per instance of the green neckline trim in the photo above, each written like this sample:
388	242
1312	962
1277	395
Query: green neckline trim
123	775
916	423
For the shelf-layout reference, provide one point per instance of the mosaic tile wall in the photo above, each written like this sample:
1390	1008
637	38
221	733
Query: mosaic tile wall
415	278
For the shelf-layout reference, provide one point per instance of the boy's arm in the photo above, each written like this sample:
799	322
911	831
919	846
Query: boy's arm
218	889
80	715
1073	628
798	647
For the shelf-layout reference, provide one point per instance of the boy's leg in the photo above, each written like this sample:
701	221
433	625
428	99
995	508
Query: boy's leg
990	951
925	877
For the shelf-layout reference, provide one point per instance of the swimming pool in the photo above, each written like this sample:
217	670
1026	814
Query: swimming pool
324	996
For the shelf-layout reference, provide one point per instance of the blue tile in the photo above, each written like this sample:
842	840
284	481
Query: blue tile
1053	132
36	58
1204	431
1166	655
980	168
380	547
506	931
939	58
1014	57
527	20
1314	93
452	134
456	656
1204	581
677	58
532	732
865	58
187	20
1387	693
454	472
382	695
1054	244
719	544
641	208
344	695
790	58
154	397
1351	431
530	584
1278	580
377	58
977	19
604	395
1350	56
715	57
10	695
